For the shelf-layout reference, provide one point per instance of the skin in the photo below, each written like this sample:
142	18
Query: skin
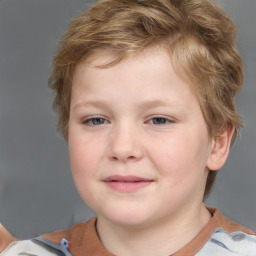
140	118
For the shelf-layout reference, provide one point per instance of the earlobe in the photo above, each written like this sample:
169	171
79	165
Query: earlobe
220	150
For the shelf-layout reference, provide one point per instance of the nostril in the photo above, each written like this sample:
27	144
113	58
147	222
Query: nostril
122	158
114	158
131	157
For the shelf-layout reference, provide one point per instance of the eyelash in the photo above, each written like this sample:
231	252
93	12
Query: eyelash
101	121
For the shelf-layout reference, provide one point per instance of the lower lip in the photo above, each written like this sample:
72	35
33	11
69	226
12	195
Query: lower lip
127	187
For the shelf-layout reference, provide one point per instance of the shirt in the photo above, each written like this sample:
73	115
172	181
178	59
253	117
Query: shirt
220	237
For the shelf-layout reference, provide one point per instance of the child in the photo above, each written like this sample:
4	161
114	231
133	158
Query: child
145	96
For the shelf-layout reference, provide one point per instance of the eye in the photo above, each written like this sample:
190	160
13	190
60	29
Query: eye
95	121
160	120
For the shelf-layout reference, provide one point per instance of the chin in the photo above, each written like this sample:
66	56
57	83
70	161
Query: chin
131	218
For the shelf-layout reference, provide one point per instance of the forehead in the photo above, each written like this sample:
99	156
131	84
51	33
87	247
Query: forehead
108	64
152	61
107	58
105	61
148	75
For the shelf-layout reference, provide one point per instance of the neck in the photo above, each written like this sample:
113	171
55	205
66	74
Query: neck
156	239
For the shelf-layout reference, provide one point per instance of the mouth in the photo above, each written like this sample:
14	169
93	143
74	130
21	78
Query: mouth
127	184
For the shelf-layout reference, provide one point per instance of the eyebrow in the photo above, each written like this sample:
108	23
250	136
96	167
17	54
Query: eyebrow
162	103
154	103
146	104
99	104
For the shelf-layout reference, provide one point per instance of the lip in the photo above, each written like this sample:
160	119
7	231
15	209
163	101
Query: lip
127	184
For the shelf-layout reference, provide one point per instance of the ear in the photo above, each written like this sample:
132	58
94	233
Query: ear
220	150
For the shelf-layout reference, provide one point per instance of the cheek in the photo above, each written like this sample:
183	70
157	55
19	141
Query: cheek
84	154
180	166
179	156
84	159
169	154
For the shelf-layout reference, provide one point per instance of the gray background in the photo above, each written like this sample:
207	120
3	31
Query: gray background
37	193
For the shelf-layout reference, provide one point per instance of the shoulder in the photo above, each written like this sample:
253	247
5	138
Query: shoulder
229	244
72	234
227	224
229	238
65	242
82	239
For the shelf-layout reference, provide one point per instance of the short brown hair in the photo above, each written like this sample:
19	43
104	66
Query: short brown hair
199	35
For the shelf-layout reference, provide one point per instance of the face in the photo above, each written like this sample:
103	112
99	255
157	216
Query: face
138	141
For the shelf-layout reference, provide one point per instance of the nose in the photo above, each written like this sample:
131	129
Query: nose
125	144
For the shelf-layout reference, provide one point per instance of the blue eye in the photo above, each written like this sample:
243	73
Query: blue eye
160	121
95	121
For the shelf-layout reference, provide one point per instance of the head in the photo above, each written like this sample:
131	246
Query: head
197	34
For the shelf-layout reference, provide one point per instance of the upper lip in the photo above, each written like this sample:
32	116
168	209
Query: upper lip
128	178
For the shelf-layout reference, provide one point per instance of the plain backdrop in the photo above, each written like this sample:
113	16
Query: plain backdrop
37	194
